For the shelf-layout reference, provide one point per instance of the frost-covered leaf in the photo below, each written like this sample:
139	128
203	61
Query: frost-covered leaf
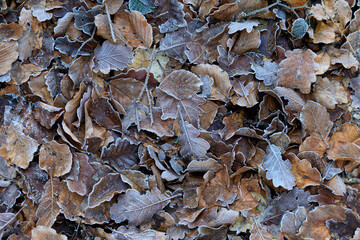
278	170
138	208
189	140
299	28
143	6
316	120
112	56
105	189
266	72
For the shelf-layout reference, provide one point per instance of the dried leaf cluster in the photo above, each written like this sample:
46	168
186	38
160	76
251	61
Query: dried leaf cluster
179	119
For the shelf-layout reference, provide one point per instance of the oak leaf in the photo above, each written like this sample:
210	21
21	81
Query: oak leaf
297	71
8	55
278	170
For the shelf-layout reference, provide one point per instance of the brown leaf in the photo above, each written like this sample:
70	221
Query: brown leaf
136	179
329	93
189	140
297	71
20	148
104	114
121	155
55	158
316	120
105	189
10	31
220	89
189	108
135	28
180	84
138	208
258	232
304	174
246	91
8	55
315	224
159	127
41	232
344	144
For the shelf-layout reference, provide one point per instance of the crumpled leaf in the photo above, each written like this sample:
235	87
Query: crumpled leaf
105	189
297	71
111	56
138	208
315	224
121	155
135	28
278	170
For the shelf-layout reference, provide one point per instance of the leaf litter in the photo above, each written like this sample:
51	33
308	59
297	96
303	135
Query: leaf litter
181	119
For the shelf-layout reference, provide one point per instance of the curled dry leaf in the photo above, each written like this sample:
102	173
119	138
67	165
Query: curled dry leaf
221	86
55	158
135	28
105	189
138	208
112	56
297	71
315	224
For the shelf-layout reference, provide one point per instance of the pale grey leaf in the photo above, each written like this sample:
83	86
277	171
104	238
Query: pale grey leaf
238	26
112	56
278	170
266	72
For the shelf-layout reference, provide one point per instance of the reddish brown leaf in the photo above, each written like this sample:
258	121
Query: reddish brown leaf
297	71
55	158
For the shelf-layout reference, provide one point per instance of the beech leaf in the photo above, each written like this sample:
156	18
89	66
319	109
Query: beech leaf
112	56
138	208
190	143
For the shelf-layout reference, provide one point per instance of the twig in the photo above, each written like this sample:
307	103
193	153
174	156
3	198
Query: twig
145	87
341	32
82	45
8	222
109	20
277	3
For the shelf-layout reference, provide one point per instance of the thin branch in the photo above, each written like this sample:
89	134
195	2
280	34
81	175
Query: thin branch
109	20
82	45
8	222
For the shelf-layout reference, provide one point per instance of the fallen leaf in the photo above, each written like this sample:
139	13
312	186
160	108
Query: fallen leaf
138	208
135	28
300	64
8	55
278	170
105	189
55	158
111	56
316	120
41	232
